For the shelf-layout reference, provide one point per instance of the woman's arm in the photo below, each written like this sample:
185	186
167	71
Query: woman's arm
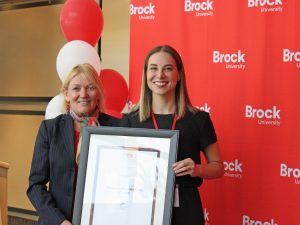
212	169
39	176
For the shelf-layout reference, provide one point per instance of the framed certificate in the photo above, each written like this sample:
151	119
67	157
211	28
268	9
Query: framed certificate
125	176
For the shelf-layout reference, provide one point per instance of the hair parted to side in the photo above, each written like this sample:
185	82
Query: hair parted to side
183	102
91	75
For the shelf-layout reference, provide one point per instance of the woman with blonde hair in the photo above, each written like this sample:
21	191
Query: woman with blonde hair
56	152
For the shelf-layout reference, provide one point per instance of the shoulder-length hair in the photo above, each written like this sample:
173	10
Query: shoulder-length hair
91	75
183	103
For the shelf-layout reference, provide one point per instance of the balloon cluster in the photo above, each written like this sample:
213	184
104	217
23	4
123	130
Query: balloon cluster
82	25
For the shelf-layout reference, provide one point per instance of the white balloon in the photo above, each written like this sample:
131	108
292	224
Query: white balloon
54	107
74	53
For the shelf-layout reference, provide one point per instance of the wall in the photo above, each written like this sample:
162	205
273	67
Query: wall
242	65
115	37
29	47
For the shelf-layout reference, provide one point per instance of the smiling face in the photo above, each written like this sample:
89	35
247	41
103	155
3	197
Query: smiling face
82	95
162	74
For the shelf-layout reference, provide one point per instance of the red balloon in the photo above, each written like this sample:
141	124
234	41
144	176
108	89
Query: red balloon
82	20
115	88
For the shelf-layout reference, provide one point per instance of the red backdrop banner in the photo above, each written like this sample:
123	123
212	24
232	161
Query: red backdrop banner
242	61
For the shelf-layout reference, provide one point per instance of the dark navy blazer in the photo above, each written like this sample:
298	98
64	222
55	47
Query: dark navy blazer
53	165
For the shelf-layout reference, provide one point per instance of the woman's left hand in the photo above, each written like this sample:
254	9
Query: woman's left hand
186	167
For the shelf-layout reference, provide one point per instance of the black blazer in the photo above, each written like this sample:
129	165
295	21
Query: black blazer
53	163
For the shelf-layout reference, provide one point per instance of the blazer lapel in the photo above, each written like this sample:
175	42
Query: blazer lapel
67	128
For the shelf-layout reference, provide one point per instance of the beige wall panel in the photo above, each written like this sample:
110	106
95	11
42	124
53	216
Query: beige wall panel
16	148
29	43
115	36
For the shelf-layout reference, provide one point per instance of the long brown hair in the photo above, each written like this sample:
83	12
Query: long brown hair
183	102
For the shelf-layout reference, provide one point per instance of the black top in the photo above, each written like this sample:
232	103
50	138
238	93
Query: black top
196	132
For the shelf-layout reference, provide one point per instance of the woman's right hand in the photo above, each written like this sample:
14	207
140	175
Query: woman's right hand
66	222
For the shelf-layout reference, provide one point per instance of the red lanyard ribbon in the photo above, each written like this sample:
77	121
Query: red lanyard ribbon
155	123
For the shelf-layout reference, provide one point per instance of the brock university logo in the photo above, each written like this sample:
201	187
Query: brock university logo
269	116
266	6
247	220
143	12
233	169
291	57
230	60
200	8
293	173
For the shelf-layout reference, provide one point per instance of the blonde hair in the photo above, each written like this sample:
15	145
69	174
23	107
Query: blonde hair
91	75
183	103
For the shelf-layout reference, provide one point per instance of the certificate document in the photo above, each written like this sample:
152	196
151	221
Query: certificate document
124	186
